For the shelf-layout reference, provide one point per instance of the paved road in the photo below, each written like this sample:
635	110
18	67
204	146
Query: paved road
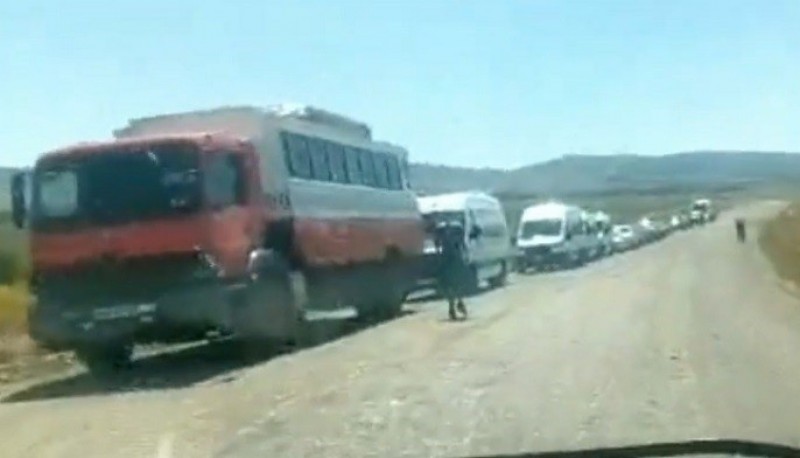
690	338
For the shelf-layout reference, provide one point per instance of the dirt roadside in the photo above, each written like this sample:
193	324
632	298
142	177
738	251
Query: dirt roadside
684	339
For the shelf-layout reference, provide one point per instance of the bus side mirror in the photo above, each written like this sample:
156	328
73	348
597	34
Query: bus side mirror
19	208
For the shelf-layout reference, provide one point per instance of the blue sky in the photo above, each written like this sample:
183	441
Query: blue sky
475	83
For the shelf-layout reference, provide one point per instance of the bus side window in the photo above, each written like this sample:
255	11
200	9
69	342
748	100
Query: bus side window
353	169
366	167
336	159
297	156
381	172
393	165
319	160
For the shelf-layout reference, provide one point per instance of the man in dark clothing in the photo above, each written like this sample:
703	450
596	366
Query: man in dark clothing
452	266
741	233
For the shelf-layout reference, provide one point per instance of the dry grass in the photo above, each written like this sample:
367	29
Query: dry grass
780	241
20	358
14	297
14	302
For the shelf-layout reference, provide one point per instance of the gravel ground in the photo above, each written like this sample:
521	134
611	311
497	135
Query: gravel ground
690	338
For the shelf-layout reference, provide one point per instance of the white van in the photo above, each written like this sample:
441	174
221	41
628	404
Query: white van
553	234
486	232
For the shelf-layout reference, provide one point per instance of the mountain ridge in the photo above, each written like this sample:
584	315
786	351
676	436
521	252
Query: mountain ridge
584	173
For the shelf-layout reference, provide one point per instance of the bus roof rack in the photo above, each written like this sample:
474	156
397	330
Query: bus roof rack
306	113
320	116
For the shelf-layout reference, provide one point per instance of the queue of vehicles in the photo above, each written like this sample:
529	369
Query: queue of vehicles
556	235
240	221
647	230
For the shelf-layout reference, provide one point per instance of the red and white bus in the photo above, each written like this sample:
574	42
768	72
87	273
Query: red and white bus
236	219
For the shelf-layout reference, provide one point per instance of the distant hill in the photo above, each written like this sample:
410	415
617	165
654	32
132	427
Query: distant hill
618	173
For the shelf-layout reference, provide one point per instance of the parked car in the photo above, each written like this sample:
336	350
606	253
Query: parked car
622	238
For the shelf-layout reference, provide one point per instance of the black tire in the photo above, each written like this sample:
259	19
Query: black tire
573	262
391	306
472	282
387	290
106	360
500	280
367	305
519	264
268	297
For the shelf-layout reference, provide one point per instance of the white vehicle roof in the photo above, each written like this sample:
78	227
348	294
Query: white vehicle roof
548	210
320	116
249	121
456	201
239	118
597	217
263	126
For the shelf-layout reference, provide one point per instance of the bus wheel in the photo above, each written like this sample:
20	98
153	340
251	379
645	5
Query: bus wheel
266	313
106	360
580	259
501	278
390	306
472	284
384	296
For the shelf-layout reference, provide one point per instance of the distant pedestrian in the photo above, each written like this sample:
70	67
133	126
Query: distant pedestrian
452	266
741	230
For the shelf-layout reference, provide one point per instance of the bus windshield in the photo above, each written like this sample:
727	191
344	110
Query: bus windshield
547	227
117	186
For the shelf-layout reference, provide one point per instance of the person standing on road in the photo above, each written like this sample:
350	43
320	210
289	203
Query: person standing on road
741	231
452	265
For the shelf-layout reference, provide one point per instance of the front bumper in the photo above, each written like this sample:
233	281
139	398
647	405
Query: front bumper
542	255
181	314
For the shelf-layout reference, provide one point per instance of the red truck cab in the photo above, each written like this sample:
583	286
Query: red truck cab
140	239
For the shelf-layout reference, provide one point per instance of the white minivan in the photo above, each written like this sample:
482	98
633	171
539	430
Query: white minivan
487	238
553	235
